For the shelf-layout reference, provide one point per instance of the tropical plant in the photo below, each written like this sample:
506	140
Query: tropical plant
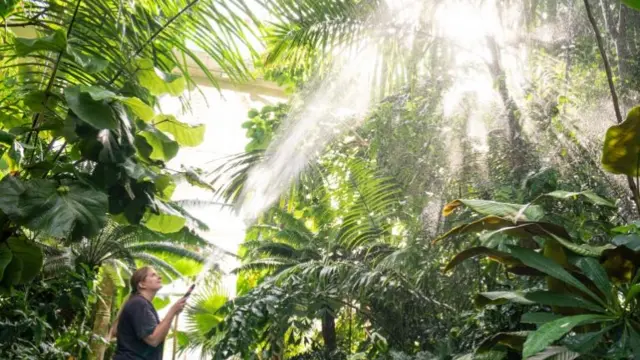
49	320
204	315
117	251
589	289
81	136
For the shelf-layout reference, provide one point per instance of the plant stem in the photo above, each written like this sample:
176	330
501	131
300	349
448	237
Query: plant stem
175	338
38	116
614	96
605	59
55	158
150	40
23	24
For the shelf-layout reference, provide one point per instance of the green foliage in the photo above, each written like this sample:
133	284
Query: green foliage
46	322
262	125
581	292
349	246
634	4
621	150
81	137
83	144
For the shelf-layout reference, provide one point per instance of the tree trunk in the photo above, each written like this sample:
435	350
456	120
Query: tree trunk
329	331
102	321
514	127
500	79
617	30
622	50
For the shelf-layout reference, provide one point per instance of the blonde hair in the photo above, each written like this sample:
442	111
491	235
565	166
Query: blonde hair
137	277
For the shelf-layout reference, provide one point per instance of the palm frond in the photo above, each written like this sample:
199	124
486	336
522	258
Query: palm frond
198	203
272	263
229	178
202	315
309	28
186	236
55	264
160	264
121	33
270	248
311	32
165	247
374	202
292	227
192	221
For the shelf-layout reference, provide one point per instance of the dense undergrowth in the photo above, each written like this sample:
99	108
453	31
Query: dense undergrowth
487	229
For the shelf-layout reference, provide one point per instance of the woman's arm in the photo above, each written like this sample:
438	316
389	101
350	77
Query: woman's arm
161	331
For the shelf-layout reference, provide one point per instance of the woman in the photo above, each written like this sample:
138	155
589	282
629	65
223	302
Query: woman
139	331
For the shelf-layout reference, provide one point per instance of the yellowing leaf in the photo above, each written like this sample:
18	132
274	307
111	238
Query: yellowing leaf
494	208
622	146
450	207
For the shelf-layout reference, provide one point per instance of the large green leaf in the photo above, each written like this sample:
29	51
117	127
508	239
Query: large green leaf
60	210
585	342
29	254
139	108
5	258
538	318
549	267
90	63
160	302
535	297
184	134
596	273
500	256
631	241
157	81
34	100
554	330
162	147
589	195
165	186
555	353
513	340
498	225
91	105
581	249
6	8
55	42
622	146
165	220
13	272
11	188
493	208
634	4
6	138
563	300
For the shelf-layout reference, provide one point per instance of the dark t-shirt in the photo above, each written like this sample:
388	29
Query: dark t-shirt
137	321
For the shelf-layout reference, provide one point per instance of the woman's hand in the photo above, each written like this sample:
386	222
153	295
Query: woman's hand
179	305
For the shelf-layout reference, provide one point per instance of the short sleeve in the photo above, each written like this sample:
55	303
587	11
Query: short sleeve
144	320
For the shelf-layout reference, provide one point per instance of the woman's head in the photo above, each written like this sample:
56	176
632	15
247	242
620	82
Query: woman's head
145	278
